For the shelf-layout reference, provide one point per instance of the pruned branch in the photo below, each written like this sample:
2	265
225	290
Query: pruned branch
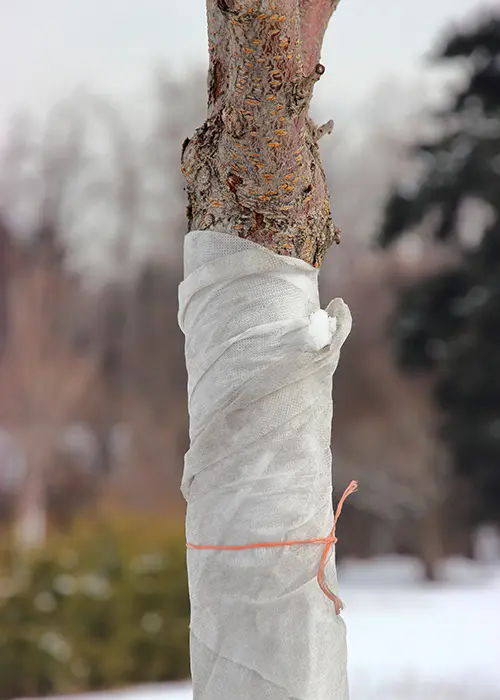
324	129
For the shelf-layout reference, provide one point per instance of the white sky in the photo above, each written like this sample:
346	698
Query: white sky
49	47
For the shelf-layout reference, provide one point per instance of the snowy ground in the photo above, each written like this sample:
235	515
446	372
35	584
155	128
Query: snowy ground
427	642
408	641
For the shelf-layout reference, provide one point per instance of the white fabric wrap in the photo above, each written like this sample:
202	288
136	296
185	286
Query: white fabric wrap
260	357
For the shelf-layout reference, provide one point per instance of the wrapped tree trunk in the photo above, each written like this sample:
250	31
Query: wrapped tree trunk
260	355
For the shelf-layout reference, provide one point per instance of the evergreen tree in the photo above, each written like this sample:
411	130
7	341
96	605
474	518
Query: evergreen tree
449	323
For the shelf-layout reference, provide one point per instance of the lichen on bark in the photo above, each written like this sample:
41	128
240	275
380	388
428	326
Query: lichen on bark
253	169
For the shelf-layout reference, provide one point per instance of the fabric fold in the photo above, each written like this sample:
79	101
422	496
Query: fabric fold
260	356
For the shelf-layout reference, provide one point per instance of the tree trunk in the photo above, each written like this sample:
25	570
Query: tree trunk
430	542
260	354
254	169
31	517
4	284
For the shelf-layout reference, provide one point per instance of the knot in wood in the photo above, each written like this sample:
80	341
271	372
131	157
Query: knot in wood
233	180
226	5
233	122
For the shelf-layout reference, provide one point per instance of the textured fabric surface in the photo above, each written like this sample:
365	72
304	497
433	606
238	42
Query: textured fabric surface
259	469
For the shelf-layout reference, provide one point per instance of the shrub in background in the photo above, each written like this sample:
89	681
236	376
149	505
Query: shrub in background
105	605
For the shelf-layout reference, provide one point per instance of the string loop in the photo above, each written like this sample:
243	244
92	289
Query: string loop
328	541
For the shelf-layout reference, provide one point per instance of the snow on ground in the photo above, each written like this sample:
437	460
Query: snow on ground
407	640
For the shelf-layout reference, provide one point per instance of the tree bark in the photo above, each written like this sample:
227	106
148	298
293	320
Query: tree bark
254	169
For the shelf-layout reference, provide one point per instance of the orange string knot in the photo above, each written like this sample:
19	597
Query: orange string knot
328	541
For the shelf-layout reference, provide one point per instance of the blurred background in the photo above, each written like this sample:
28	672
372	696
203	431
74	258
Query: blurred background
96	98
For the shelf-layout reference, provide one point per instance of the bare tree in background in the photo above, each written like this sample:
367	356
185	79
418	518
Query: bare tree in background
41	374
385	422
4	253
178	107
42	377
56	184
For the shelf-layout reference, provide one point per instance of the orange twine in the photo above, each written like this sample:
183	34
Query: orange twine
327	541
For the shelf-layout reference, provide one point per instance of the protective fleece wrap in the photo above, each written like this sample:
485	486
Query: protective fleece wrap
260	355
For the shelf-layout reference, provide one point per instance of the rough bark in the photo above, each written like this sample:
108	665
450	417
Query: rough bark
254	169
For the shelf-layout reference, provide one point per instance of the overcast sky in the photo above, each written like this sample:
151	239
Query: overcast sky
47	47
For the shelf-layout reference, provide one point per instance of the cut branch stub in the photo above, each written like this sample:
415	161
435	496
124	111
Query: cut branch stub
324	129
253	169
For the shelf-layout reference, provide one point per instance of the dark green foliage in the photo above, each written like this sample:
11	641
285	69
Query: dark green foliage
450	323
427	320
465	161
104	607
